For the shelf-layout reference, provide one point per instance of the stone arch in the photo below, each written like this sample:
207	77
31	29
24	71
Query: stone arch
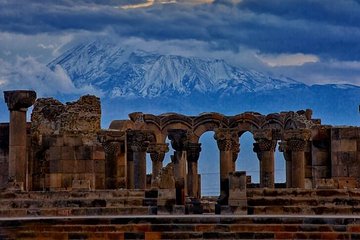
208	122
247	121
273	121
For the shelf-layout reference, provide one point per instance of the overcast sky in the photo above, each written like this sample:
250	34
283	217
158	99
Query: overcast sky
315	41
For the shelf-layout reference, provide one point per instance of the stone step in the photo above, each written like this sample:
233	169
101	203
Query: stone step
192	231
299	201
84	211
80	202
184	235
73	194
311	210
294	192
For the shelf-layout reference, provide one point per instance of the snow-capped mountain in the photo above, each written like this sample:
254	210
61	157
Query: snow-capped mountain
134	80
121	72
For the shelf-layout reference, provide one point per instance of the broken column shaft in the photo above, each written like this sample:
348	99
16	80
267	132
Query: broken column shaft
18	102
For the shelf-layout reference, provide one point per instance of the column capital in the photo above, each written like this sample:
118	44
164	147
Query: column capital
193	151
19	100
158	148
111	148
263	134
110	136
302	134
263	145
235	150
227	139
139	140
157	151
178	138
296	140
296	145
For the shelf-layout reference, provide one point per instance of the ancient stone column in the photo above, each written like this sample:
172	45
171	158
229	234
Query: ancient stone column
235	154
139	140
18	102
157	154
178	138
265	148
296	141
130	168
112	151
287	156
193	152
227	141
115	164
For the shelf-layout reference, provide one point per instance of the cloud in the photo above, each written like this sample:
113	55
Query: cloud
323	72
297	59
272	27
30	74
265	35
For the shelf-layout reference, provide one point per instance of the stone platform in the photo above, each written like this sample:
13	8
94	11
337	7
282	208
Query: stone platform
182	227
132	214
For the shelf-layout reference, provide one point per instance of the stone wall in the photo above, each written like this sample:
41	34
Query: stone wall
4	154
321	157
66	152
345	156
50	116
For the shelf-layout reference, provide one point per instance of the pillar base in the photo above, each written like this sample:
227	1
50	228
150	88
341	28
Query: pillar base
14	186
81	185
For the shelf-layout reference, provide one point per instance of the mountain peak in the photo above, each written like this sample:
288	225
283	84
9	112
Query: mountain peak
120	72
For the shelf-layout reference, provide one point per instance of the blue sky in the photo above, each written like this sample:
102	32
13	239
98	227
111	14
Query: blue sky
314	41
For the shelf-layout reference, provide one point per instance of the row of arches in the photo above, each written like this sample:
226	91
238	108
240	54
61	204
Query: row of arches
199	125
187	133
209	165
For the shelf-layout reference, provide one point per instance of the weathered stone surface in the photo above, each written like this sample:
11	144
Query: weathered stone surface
50	116
165	179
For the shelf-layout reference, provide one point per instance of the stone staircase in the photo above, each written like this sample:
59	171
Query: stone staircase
131	214
302	201
183	227
84	203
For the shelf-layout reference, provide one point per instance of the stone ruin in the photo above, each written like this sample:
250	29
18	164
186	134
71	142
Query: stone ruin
64	149
61	171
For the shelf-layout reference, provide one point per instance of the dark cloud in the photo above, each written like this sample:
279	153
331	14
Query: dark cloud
344	12
329	29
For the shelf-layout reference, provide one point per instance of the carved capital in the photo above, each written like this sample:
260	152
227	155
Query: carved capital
157	151
263	134
236	150
302	134
19	100
178	138
296	145
111	148
227	139
263	145
282	146
296	140
111	141
110	136
193	151
139	140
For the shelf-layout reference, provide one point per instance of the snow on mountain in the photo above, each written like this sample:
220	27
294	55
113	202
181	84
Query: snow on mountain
121	72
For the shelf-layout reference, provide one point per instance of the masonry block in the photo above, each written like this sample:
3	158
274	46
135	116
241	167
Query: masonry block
83	153
68	153
72	141
80	185
55	166
54	153
99	166
98	154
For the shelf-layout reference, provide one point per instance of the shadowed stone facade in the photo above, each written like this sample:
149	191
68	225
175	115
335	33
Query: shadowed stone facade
63	148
